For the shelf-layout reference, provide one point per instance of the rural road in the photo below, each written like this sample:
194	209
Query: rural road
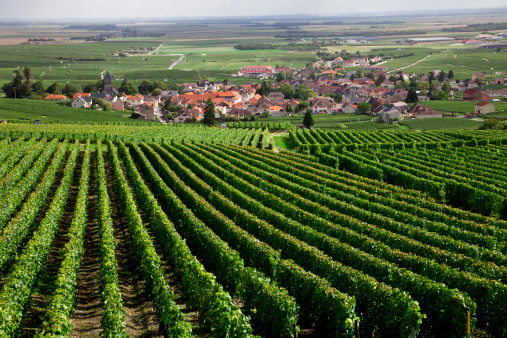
156	50
424	58
177	61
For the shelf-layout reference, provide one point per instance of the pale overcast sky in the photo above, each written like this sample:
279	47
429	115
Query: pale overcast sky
43	9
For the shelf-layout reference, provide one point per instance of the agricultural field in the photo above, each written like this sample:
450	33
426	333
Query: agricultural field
179	133
444	123
209	47
460	106
215	239
51	112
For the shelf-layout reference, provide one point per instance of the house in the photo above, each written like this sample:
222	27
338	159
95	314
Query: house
276	111
81	94
255	71
475	94
388	116
147	112
276	98
82	102
478	76
118	105
349	63
55	97
183	117
484	107
392	111
322	105
501	81
136	100
338	61
420	111
240	113
348	108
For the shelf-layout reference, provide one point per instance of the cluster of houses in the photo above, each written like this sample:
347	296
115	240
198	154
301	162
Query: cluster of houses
386	101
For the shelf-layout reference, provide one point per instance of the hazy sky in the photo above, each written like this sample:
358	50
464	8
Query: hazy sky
42	9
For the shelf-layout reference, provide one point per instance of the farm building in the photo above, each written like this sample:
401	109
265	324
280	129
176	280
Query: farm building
255	71
484	107
420	111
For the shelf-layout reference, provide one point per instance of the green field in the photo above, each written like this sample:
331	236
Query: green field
443	124
53	112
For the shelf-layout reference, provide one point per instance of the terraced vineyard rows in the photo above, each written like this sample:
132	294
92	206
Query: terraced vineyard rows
250	241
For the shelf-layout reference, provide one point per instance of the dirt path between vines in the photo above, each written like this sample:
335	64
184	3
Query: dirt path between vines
42	294
140	314
88	309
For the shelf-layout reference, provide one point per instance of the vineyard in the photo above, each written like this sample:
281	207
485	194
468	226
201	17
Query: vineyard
190	231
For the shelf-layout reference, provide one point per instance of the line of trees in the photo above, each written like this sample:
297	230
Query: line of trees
478	27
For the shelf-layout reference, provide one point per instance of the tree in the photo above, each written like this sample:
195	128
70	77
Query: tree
287	90
38	87
364	107
209	113
446	88
145	87
303	105
489	123
264	89
90	88
290	109
156	92
303	92
451	74
412	96
128	88
106	106
55	88
280	77
28	75
265	114
359	73
160	85
69	90
392	78
17	88
441	76
308	119
381	78
169	107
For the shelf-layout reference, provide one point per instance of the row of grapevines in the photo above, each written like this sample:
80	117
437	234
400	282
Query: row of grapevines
113	317
21	168
10	148
168	312
429	294
347	181
257	136
57	322
257	291
481	234
18	227
485	269
15	157
266	259
489	311
217	310
18	285
4	143
367	291
468	192
265	138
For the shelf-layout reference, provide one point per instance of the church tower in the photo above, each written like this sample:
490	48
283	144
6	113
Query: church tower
108	85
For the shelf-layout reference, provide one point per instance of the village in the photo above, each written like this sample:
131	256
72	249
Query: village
325	87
